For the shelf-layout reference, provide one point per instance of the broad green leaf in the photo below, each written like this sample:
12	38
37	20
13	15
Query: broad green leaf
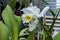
19	20
6	19
4	32
14	25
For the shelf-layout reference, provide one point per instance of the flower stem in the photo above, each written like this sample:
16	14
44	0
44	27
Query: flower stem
31	36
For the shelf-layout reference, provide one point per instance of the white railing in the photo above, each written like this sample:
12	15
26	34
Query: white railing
48	17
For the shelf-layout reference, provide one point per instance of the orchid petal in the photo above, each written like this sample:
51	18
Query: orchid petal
43	12
33	24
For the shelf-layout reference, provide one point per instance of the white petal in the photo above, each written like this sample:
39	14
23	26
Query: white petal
33	25
43	12
31	10
23	16
31	5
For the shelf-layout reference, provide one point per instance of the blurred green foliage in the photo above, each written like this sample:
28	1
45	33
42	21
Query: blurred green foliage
11	28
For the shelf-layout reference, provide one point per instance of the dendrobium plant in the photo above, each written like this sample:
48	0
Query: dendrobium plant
31	15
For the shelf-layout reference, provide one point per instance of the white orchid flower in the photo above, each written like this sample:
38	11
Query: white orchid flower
30	11
31	19
31	15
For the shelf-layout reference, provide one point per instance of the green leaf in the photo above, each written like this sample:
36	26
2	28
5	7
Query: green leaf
57	37
11	17
13	3
44	1
22	32
22	39
19	20
54	19
4	32
6	19
52	13
31	36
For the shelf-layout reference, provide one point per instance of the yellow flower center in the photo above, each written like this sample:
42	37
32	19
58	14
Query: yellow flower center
28	18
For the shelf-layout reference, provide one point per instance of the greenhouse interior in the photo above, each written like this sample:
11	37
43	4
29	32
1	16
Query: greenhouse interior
29	19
